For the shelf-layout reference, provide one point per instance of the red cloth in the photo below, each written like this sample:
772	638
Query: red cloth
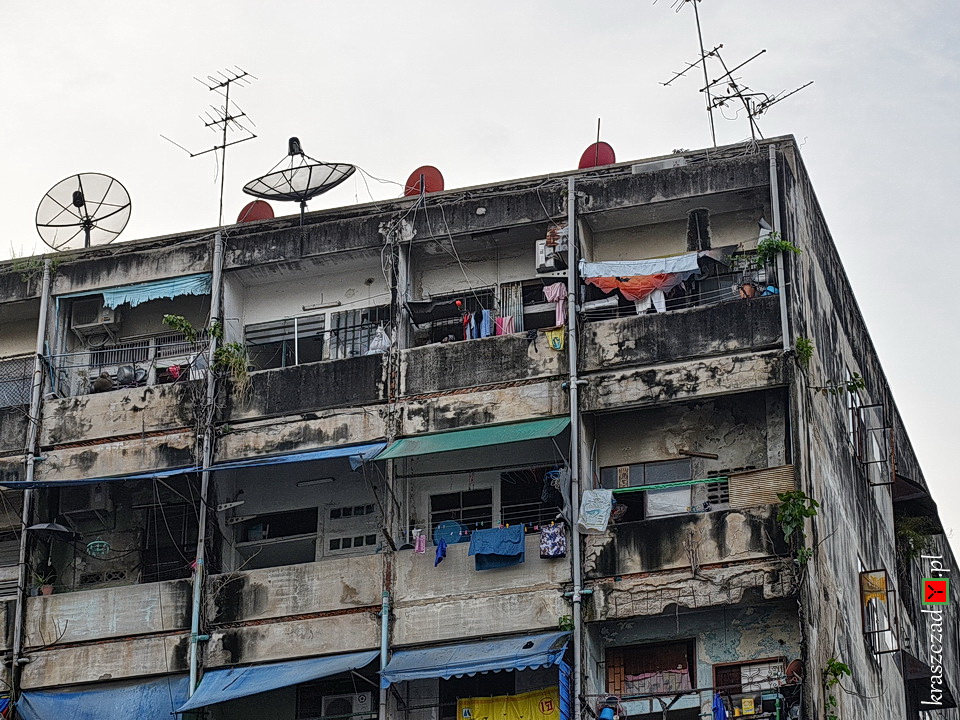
639	286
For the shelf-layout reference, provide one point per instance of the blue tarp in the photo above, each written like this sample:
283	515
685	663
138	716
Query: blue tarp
139	699
362	452
133	295
233	683
93	481
447	661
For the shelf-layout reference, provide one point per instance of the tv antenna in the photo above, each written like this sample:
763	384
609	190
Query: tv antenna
226	119
83	210
755	103
303	178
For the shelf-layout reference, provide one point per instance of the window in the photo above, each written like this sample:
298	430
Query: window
652	473
665	486
651	669
873	440
338	513
278	525
16	375
748	677
522	494
283	343
352	542
352	331
442	317
878	611
472	509
169	542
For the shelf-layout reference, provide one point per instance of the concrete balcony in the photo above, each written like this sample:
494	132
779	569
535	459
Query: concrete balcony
455	601
722	329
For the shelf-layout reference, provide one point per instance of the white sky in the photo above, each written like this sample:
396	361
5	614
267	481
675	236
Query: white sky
498	90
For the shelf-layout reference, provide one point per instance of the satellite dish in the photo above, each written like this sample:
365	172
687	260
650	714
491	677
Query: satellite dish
426	179
255	210
302	179
83	210
600	153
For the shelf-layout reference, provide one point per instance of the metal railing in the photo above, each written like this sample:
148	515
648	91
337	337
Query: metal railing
147	360
15	380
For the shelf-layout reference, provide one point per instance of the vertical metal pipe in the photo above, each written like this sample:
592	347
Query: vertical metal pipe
775	211
384	647
33	431
296	341
199	573
572	306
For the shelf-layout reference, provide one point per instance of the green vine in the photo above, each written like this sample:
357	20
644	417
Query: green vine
795	507
803	347
912	535
31	268
229	359
833	673
183	326
851	385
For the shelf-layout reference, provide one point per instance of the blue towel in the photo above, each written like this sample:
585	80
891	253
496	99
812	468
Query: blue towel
441	552
486	329
719	709
497	547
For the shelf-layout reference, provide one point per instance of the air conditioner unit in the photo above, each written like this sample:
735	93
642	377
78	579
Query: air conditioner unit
90	317
340	706
84	501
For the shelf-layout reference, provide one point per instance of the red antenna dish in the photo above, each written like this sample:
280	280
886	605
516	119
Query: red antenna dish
432	181
600	153
256	210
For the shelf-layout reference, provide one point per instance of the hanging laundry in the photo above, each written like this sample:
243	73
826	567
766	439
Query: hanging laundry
557	294
497	547
441	552
485	323
505	325
555	337
553	541
419	542
637	287
657	299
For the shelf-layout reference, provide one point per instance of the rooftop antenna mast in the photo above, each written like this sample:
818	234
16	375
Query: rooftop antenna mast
225	119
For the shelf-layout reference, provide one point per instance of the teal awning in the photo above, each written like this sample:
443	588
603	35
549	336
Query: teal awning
475	437
138	293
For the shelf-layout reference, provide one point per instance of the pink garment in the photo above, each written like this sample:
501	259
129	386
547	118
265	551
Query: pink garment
420	544
505	325
557	294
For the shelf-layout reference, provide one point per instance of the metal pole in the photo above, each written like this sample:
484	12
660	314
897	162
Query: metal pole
706	80
572	305
775	211
33	430
199	573
384	646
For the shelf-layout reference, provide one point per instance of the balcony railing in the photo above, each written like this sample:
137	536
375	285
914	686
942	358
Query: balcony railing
147	360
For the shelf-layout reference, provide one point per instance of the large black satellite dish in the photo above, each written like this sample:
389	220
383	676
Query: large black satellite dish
83	210
302	179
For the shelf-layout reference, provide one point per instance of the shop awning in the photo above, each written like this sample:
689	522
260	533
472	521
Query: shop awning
219	686
447	661
153	475
475	437
360	452
140	699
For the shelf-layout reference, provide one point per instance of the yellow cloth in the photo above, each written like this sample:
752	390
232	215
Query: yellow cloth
537	705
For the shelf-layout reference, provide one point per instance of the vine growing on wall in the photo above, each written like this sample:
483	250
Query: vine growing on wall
852	385
803	348
833	673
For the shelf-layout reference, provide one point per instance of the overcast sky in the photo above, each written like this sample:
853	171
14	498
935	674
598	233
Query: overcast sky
497	90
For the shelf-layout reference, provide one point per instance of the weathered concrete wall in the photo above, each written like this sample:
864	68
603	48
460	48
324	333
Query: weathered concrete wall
130	658
340	633
671	543
312	386
455	601
474	363
120	612
618	390
294	434
122	412
20	279
334	584
731	327
124	457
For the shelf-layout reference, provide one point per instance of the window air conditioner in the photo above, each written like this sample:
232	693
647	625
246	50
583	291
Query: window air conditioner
341	706
80	501
90	317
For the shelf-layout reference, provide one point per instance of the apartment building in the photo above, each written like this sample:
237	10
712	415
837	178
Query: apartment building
606	443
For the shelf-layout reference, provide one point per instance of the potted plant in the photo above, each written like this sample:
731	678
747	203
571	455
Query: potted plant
44	580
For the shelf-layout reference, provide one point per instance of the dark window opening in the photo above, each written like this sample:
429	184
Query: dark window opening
352	331
472	509
278	525
450	322
523	498
651	669
169	543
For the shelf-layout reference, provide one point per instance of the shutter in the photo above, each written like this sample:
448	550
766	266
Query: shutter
760	487
511	303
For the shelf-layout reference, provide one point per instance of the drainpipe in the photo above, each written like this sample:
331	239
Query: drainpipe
199	573
384	628
573	302
775	211
33	430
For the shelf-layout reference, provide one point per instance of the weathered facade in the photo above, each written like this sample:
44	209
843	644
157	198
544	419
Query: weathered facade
343	477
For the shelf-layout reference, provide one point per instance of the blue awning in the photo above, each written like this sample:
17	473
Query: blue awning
140	699
447	661
219	686
155	474
154	290
360	452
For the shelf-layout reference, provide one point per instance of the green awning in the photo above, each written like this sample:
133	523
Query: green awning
474	438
